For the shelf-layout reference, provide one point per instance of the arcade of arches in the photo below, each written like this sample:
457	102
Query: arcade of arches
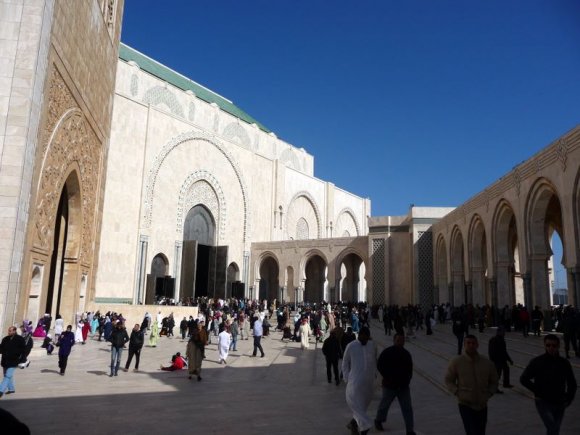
506	245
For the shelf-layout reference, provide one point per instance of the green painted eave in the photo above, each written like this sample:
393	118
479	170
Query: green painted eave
166	74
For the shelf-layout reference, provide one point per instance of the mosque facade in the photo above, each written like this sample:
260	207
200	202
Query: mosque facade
123	182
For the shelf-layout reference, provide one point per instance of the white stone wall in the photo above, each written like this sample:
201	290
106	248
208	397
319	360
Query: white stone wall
24	41
163	141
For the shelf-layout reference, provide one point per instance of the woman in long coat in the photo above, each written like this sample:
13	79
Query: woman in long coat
195	350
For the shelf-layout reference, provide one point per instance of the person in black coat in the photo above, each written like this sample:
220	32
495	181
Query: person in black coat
135	345
551	379
395	365
65	343
12	348
498	354
332	352
118	339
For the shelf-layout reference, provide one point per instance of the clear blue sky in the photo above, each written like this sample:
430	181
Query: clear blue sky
423	102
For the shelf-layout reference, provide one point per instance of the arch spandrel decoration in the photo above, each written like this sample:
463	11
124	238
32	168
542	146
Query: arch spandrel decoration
303	206
170	146
346	222
160	95
290	159
235	133
201	187
71	145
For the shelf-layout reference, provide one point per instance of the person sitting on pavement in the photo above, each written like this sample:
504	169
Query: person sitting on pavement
177	363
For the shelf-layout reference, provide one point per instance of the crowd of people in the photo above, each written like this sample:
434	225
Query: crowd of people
351	356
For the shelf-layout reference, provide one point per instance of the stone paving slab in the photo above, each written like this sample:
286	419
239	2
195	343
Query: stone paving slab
285	393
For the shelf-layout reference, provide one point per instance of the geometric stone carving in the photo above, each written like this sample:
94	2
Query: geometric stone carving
304	207
562	153
289	159
237	134
302	229
69	143
379	278
160	158
201	187
346	222
159	95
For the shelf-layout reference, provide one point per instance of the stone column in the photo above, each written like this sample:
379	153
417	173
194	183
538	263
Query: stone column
478	285
493	289
436	294
540	289
451	298
574	286
504	283
468	292
528	299
458	289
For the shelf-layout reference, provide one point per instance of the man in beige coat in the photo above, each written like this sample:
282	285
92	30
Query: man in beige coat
473	379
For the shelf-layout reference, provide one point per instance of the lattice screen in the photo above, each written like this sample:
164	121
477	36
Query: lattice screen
378	262
425	267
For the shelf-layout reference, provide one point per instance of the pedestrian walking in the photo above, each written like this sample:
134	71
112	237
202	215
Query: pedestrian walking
395	365
196	350
136	342
258	331
65	344
12	348
498	354
472	378
224	341
358	369
332	353
118	339
551	379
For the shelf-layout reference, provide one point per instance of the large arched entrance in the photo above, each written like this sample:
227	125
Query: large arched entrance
63	278
478	263
442	279
351	279
203	265
544	218
315	284
268	287
507	256
459	295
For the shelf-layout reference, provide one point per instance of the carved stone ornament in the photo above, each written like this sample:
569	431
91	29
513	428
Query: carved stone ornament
69	142
562	153
517	180
201	187
211	140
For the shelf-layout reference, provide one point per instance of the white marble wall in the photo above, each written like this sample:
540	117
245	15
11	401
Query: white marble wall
24	40
162	140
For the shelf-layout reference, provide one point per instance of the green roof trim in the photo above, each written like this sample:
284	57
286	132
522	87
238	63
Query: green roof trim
164	73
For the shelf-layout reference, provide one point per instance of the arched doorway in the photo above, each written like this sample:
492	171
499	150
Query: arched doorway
442	279
507	257
268	287
62	296
159	283
315	284
233	282
460	295
203	264
478	263
351	279
544	217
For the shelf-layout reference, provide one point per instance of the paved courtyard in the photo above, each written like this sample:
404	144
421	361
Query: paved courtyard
284	393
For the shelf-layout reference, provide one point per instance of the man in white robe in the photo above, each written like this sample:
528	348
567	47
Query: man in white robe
224	340
359	366
305	332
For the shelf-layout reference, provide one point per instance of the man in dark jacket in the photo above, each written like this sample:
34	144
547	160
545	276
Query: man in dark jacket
332	353
550	378
396	367
12	348
498	354
118	339
65	343
135	345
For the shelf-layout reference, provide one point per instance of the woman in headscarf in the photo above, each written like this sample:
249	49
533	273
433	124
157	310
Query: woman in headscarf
154	334
196	349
